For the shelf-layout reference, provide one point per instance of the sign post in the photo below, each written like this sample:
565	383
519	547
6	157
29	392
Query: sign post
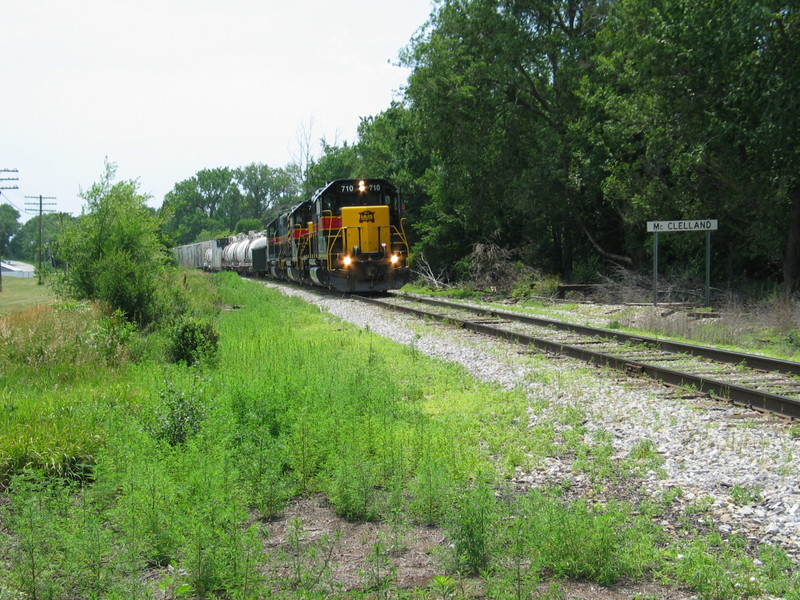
656	227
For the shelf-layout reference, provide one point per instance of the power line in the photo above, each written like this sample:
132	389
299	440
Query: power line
8	201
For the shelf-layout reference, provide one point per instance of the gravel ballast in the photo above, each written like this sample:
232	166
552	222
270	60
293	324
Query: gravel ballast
713	453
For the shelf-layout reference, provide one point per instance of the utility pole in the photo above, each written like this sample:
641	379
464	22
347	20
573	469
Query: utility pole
6	187
41	210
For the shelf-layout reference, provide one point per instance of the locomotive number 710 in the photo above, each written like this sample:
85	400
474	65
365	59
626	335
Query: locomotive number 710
372	187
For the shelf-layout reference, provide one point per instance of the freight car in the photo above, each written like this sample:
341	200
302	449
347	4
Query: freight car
348	237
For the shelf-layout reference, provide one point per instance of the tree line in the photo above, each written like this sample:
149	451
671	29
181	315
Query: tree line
554	129
557	128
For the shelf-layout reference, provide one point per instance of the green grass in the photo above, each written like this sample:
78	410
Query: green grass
147	479
20	293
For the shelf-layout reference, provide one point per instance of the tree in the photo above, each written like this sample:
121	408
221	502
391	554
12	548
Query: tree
696	107
775	92
211	200
336	162
221	195
494	89
185	215
246	225
114	250
9	225
266	190
25	244
390	146
558	127
215	200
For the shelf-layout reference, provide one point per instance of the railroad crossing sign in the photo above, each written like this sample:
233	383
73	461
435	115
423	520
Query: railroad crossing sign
656	227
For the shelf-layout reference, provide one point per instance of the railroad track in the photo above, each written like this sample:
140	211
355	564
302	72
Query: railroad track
751	380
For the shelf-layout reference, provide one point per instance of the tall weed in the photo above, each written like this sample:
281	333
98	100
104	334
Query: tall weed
353	489
472	528
431	491
65	339
598	543
179	413
64	545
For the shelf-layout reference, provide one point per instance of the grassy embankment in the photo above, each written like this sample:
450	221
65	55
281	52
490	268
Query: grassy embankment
141	479
770	327
20	293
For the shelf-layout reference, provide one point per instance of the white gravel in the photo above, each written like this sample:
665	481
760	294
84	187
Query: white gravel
711	451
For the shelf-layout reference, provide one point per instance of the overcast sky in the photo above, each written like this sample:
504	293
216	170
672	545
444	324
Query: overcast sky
165	88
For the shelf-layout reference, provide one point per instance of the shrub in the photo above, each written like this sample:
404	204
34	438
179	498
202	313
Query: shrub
115	251
178	416
493	267
193	341
535	284
547	286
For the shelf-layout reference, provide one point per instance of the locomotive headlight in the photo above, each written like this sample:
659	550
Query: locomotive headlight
347	260
394	259
362	187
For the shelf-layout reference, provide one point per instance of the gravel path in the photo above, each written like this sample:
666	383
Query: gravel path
738	467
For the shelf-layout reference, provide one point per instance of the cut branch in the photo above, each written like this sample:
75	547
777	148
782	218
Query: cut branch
618	257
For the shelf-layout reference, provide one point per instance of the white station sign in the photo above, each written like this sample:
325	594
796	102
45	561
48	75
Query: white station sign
669	226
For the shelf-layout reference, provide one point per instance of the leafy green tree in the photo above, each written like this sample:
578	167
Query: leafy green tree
9	225
211	200
389	146
558	127
185	214
494	89
267	191
218	196
25	244
696	110
215	200
774	89
245	225
114	250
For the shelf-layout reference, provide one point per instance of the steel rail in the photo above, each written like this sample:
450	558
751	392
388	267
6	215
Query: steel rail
754	361
782	405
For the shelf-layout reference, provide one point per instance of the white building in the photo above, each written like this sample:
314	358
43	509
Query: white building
13	268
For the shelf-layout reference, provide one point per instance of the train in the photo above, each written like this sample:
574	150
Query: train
349	237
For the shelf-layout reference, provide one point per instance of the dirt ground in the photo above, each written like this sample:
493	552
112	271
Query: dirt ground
310	545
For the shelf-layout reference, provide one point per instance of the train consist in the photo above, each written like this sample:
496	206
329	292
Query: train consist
349	237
